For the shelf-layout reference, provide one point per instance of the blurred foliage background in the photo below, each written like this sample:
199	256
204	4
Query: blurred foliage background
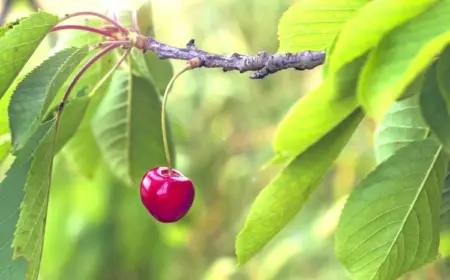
97	229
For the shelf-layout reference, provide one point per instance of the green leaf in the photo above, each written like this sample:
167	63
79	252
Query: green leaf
82	148
73	115
444	244
11	195
34	94
127	127
313	25
283	198
402	124
315	114
370	25
434	109
83	151
445	209
29	234
401	56
157	71
391	222
96	71
18	44
442	72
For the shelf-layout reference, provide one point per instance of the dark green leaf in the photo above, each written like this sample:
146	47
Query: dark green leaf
401	56
402	124
34	94
11	196
157	71
390	224
283	198
18	44
370	24
434	109
72	117
443	71
127	127
29	237
313	25
315	114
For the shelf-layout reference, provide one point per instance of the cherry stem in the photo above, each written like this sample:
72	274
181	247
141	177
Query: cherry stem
134	18
189	66
82	27
100	83
112	21
83	69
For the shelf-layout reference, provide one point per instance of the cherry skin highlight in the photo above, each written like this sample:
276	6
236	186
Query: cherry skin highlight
166	198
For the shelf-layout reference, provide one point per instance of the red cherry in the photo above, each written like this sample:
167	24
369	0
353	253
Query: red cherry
167	198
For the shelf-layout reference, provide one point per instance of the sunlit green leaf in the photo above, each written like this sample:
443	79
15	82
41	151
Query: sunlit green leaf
29	234
313	25
329	53
5	146
442	72
34	94
434	109
315	114
401	56
127	127
283	198
9	25
402	124
390	224
11	196
370	24
19	43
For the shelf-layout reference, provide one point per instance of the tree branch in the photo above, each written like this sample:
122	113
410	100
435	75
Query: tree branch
263	63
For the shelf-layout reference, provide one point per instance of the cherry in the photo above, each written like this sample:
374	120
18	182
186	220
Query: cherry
167	197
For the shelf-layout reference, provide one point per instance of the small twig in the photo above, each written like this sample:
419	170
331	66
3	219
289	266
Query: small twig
98	15
263	63
82	27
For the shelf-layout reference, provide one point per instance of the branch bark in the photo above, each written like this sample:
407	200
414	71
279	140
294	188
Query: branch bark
262	64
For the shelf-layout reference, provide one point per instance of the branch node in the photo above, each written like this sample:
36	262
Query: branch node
191	43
